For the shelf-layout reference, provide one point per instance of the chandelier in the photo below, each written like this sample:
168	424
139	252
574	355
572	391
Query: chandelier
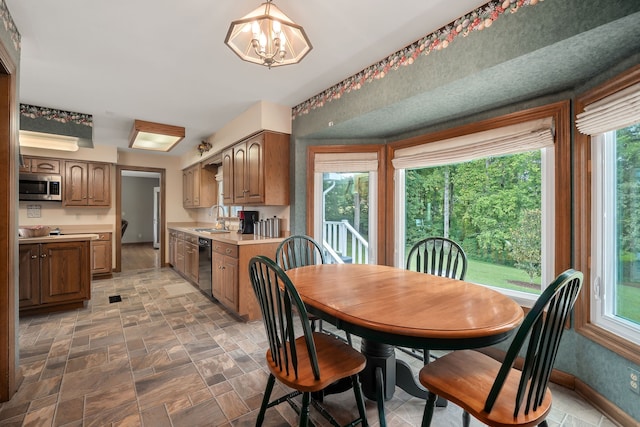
268	37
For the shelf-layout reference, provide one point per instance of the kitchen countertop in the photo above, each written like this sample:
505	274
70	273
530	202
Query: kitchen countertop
232	236
62	238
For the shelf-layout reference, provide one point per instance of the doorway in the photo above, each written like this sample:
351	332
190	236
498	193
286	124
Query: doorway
140	217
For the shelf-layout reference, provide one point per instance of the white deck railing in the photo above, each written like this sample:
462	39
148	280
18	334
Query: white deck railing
343	243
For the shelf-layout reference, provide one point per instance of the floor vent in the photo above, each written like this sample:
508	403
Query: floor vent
115	298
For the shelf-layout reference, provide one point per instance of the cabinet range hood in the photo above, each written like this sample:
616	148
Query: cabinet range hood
53	129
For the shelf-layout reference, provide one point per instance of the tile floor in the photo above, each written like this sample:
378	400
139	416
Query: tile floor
167	356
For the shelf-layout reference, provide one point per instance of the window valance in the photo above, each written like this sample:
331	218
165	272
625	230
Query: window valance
615	111
346	162
527	136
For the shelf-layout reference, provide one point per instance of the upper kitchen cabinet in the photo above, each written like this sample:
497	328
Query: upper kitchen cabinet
256	171
39	165
199	187
87	184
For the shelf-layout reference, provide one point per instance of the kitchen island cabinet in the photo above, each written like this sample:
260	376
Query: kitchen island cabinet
256	171
54	273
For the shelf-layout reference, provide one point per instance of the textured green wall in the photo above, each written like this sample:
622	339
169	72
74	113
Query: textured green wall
539	55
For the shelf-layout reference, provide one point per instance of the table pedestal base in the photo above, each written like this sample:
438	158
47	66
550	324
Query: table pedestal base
383	373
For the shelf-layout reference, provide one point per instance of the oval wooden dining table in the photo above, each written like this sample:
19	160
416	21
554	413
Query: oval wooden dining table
388	306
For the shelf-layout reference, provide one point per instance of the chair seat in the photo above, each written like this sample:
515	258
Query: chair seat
465	378
336	360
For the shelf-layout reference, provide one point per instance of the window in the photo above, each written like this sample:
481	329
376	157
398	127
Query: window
616	232
495	191
606	220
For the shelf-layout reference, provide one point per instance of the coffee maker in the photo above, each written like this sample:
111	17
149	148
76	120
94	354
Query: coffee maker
247	218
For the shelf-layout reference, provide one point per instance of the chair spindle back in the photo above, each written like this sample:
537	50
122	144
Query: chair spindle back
298	251
277	298
544	326
438	256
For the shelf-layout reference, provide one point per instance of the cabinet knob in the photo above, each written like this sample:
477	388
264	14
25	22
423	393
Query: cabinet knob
34	256
43	256
228	250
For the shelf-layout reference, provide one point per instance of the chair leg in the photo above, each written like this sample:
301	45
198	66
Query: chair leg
466	419
304	411
543	424
265	400
428	409
357	390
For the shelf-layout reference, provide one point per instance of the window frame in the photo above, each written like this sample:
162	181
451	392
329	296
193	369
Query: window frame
560	111
582	178
379	149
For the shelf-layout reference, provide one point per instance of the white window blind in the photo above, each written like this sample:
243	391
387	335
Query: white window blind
345	162
528	136
616	111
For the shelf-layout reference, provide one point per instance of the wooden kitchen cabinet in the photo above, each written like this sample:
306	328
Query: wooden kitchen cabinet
54	275
173	236
256	170
101	255
179	266
199	186
224	274
191	257
40	165
87	184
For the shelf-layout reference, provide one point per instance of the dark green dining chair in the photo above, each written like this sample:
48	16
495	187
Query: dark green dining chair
438	256
496	393
299	251
307	363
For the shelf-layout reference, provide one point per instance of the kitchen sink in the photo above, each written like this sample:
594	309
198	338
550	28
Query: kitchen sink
211	230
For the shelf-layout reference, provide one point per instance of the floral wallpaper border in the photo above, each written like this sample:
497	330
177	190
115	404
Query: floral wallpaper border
477	20
34	112
9	25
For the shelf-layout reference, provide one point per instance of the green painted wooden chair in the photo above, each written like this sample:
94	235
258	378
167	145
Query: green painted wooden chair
299	251
496	393
308	363
438	256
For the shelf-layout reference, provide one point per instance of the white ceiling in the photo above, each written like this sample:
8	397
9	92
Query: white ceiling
165	60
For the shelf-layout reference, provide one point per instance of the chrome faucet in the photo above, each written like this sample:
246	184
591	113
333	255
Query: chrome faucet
219	219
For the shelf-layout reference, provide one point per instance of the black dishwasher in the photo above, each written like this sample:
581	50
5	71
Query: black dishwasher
204	266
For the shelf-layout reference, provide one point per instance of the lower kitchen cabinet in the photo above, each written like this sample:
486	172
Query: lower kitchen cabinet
224	259
101	255
54	275
191	257
231	285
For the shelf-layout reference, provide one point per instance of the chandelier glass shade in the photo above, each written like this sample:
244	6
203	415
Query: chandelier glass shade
268	37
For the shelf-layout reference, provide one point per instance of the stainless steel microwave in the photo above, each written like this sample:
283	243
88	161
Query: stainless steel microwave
35	186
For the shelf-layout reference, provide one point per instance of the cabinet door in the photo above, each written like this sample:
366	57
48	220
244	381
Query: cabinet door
29	275
195	185
191	261
99	184
187	188
240	189
172	248
65	274
180	255
101	254
217	261
230	283
75	184
254	171
227	177
45	165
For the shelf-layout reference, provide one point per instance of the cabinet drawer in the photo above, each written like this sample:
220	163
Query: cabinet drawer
227	249
191	238
180	235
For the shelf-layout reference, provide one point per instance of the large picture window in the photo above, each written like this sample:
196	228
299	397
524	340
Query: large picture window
496	192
